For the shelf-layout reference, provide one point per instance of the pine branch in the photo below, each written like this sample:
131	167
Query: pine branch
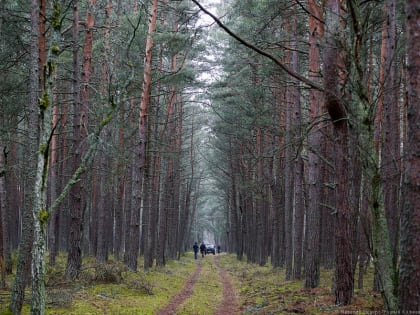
260	51
85	161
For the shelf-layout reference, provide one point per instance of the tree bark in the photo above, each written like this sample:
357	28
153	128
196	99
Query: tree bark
313	214
53	239
344	279
142	134
40	212
24	255
289	167
409	284
78	191
3	207
390	148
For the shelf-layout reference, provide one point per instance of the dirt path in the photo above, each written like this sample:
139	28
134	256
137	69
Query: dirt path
178	299
229	304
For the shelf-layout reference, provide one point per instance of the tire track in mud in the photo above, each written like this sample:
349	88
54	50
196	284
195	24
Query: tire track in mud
229	305
178	299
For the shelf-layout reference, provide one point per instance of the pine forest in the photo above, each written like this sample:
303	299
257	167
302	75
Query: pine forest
284	133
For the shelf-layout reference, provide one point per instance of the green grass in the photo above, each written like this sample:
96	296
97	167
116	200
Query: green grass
207	293
118	292
264	290
111	289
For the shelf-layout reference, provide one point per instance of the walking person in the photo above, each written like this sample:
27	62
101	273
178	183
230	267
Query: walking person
202	249
195	248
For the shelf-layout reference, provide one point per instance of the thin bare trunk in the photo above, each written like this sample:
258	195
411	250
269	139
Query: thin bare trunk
3	206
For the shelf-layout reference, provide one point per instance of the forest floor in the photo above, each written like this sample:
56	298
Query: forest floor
215	284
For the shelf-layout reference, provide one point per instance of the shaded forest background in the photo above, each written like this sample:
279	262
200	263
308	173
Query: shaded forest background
284	131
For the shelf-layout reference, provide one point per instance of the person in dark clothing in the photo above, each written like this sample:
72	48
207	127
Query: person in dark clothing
202	249
195	248
218	249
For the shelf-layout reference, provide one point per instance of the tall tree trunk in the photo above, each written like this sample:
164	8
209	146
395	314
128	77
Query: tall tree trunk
328	201
259	203
129	196
54	222
40	212
344	280
278	252
78	196
177	178
119	201
142	136
299	211
102	208
289	178
390	148
313	214
380	233
24	255
3	207
409	284
11	200
237	224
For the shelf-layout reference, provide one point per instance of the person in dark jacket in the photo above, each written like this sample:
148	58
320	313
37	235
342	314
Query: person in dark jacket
195	248
202	249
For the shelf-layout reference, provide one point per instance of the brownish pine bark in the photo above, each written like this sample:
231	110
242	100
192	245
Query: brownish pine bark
313	214
54	222
344	279
134	234
102	227
409	284
78	190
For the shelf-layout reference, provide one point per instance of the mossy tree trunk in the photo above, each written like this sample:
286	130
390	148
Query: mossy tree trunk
25	246
363	121
40	212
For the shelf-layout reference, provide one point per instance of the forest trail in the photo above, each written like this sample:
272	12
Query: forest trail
229	304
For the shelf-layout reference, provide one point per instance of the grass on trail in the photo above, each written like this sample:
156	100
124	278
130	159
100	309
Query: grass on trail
207	293
111	289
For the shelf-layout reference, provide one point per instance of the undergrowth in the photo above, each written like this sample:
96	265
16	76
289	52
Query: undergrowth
264	291
110	289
